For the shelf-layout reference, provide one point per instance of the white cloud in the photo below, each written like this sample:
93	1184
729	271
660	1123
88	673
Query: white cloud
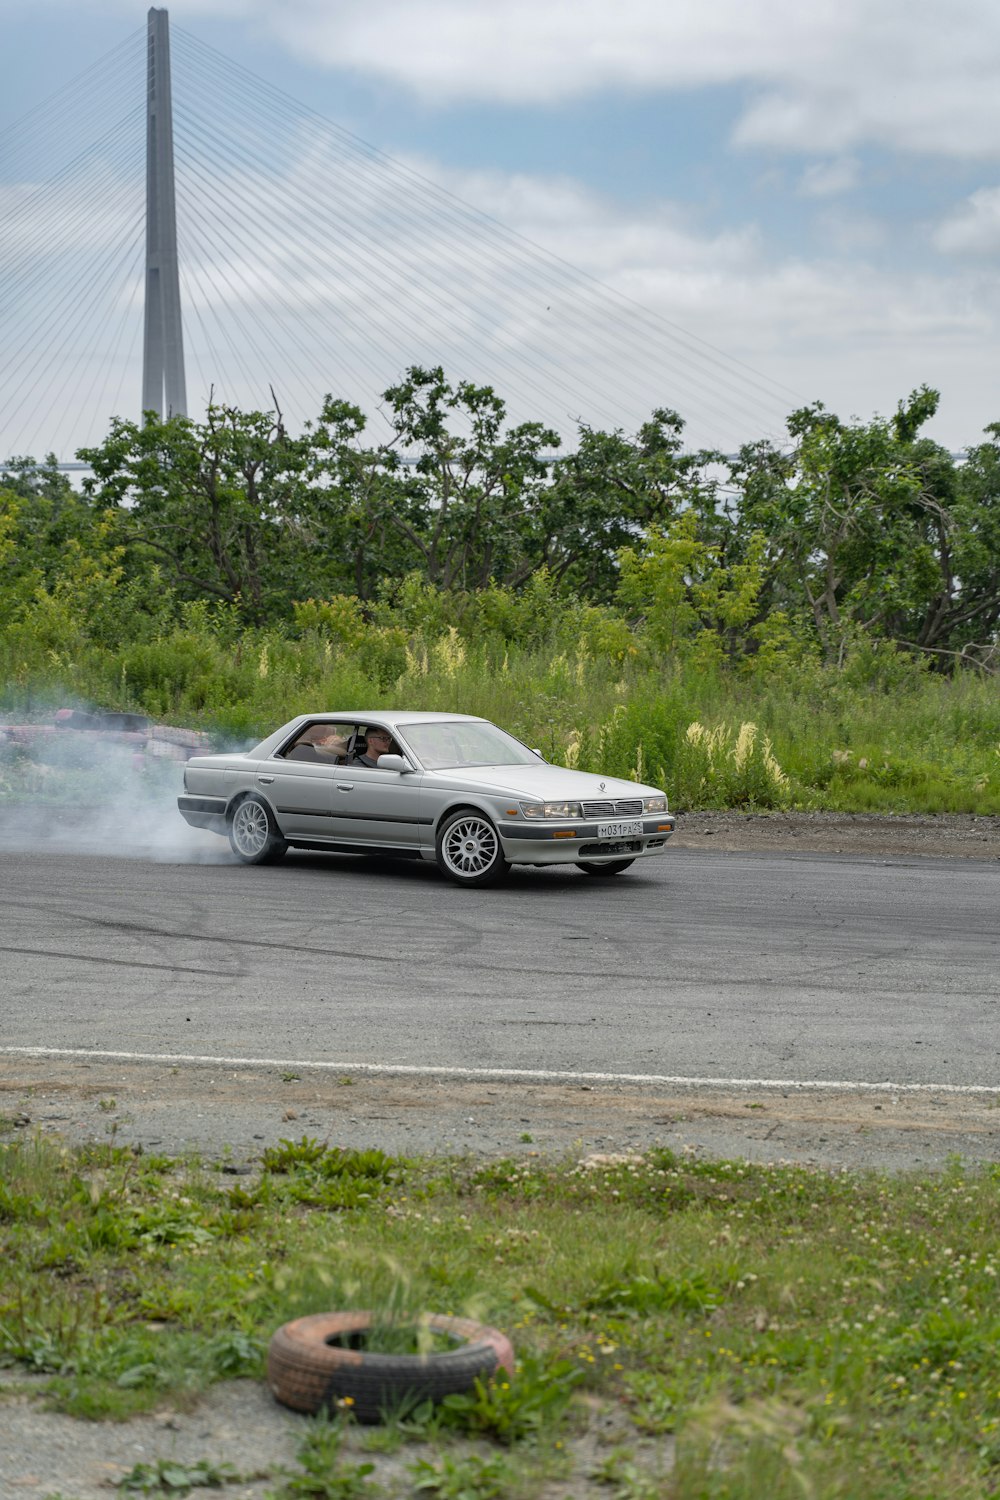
828	179
974	228
826	77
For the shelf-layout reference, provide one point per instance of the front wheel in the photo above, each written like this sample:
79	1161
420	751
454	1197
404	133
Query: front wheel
469	850
253	833
613	867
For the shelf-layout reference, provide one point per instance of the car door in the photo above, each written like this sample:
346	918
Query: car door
377	809
302	795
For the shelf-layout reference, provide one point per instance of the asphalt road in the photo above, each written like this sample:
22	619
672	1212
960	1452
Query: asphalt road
699	965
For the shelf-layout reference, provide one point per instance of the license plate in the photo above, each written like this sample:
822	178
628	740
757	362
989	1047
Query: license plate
619	830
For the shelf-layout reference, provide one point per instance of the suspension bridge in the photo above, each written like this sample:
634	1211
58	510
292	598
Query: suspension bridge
174	229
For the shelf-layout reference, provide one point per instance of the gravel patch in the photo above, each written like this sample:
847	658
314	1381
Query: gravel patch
868	835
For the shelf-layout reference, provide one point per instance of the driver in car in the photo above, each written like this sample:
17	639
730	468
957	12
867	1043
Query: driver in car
380	742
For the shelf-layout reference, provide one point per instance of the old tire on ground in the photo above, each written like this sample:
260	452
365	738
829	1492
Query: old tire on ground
316	1362
613	867
253	834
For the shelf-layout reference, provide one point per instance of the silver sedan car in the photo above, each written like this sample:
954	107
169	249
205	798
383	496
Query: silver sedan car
446	787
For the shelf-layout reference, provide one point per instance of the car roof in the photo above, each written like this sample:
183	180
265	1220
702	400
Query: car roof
393	716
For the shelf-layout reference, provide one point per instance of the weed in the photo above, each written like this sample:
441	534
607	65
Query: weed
655	1291
328	1177
323	1473
167	1476
462	1478
626	1479
235	1354
288	1154
291	1077
329	1161
512	1409
655	1399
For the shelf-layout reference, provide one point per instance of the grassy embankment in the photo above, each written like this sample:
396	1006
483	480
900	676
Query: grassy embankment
794	1331
879	733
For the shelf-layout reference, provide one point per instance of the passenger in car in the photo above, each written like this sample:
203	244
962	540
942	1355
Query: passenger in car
380	742
320	744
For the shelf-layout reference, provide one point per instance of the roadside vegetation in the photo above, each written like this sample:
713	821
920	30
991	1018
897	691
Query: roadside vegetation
682	1327
813	625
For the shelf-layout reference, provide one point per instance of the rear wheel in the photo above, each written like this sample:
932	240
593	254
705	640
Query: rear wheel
469	849
253	833
613	867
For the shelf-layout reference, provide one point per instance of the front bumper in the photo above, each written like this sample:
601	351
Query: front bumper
573	843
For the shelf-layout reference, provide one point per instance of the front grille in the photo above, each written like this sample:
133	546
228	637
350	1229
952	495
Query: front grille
630	808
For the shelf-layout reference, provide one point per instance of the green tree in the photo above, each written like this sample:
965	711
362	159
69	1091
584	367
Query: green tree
468	505
966	617
228	507
611	489
481	503
862	523
683	592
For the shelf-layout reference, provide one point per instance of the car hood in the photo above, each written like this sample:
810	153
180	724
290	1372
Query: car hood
545	783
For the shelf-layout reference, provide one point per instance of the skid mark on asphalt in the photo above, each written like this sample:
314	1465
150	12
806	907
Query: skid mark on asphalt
120	963
675	981
772	984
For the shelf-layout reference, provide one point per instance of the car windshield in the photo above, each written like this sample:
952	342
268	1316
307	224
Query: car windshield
446	746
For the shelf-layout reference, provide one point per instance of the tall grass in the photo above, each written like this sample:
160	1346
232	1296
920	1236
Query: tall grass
880	734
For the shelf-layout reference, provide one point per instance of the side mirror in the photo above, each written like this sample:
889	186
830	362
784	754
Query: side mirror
394	763
535	751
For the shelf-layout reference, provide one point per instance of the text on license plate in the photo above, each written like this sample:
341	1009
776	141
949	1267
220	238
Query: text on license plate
619	830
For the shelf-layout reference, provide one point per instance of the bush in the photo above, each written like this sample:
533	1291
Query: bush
717	768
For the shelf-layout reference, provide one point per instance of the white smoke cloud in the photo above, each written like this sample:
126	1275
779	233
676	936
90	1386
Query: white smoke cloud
69	793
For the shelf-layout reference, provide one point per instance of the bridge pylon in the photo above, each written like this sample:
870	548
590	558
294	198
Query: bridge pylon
163	386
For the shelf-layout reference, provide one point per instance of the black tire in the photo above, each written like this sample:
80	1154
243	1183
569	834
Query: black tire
613	867
469	849
319	1362
253	834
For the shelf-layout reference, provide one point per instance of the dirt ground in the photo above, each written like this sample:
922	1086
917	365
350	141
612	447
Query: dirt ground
228	1117
868	835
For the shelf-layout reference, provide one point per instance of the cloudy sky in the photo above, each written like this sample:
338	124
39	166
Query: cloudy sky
812	190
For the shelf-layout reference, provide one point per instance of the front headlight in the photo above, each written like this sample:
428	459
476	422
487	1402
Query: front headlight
654	804
550	809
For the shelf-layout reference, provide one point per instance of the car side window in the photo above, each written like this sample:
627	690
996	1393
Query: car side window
321	744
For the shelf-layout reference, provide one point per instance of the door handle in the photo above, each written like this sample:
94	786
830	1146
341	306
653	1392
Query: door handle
265	780
345	786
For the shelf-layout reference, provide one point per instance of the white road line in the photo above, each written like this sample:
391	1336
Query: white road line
517	1075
